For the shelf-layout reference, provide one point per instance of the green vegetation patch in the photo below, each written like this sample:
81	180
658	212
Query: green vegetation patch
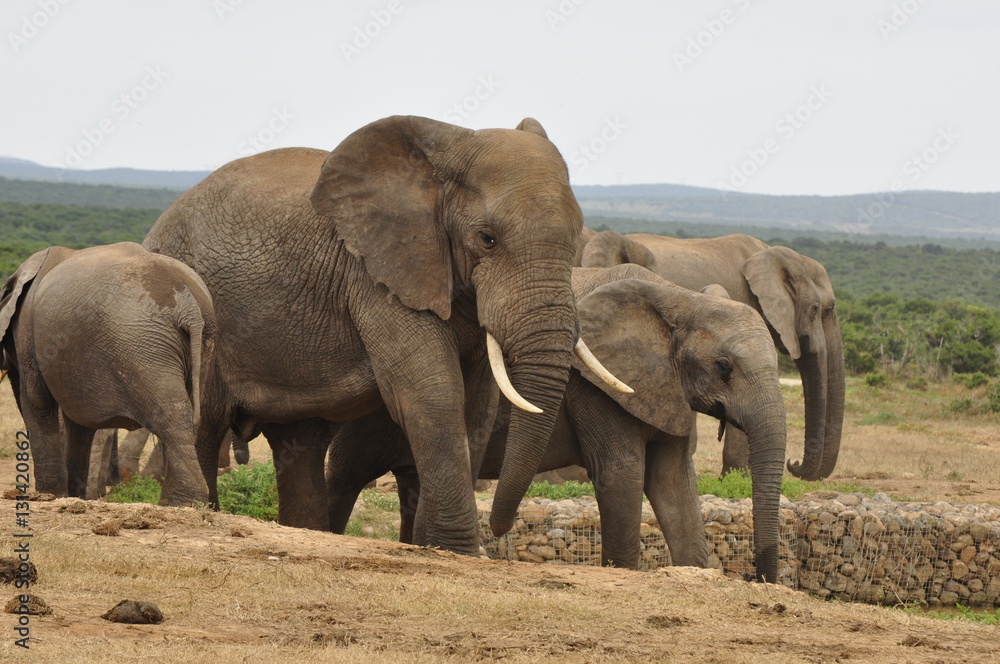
735	485
250	490
562	491
136	490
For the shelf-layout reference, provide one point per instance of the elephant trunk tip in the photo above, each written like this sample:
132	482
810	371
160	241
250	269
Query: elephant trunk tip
799	470
500	525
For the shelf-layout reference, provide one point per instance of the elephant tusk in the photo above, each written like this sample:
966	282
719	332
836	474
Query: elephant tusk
595	365
503	381
3	374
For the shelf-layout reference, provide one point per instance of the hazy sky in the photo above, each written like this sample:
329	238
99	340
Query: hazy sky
771	96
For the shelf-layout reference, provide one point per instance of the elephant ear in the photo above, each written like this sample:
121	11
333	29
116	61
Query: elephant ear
532	126
771	276
11	291
609	248
382	190
628	326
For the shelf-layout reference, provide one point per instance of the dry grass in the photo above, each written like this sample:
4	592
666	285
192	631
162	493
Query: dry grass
283	595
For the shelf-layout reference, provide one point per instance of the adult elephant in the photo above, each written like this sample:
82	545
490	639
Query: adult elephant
379	273
682	351
108	337
793	294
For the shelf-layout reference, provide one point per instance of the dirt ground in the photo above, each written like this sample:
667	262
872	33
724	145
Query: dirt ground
235	589
238	590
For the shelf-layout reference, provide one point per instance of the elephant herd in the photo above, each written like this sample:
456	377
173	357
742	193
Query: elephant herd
425	299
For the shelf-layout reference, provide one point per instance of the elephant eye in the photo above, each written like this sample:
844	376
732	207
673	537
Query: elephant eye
813	312
488	240
724	366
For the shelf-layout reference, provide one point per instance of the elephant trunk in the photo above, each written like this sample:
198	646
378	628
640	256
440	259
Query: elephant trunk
834	395
764	425
539	360
812	366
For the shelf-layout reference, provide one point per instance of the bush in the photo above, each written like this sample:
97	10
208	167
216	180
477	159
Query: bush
250	490
735	485
993	400
876	380
918	383
971	380
136	490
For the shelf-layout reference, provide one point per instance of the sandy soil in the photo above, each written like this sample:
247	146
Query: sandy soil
235	589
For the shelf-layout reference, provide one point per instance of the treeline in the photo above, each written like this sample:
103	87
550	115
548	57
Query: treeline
917	336
103	195
27	228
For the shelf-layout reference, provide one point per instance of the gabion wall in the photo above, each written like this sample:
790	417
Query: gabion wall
849	546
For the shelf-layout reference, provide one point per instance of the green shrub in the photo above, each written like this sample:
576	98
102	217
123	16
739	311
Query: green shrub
562	491
961	405
918	383
994	399
876	380
250	490
879	418
136	490
972	380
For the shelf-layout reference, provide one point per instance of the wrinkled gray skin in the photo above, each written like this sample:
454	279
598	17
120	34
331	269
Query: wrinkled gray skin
369	275
108	337
680	351
791	292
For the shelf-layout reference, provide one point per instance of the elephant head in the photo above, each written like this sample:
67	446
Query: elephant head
449	218
797	300
681	350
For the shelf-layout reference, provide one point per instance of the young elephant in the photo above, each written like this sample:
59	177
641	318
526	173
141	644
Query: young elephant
108	337
680	350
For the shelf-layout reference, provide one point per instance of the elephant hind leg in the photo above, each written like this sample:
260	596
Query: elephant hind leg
48	449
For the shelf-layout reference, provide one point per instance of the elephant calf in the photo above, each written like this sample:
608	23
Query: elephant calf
108	337
680	350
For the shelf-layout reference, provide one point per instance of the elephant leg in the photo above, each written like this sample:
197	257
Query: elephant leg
114	474
156	464
99	475
41	419
673	493
611	443
224	451
79	441
129	452
408	490
299	449
735	452
360	452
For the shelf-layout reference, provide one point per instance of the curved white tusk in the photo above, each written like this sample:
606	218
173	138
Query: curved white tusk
3	375
595	365
503	381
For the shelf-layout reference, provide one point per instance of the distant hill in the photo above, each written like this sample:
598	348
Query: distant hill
931	214
23	169
102	195
924	213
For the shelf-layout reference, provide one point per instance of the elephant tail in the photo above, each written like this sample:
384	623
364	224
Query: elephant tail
195	330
